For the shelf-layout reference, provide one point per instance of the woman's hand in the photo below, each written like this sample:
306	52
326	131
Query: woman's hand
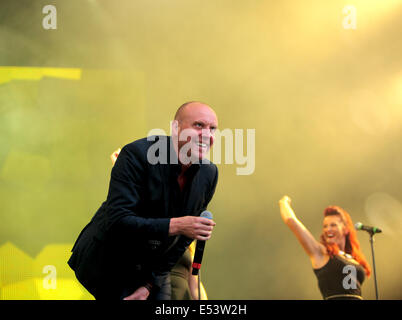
114	155
285	199
286	209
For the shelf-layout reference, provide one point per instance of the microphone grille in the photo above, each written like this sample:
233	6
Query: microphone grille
206	214
358	225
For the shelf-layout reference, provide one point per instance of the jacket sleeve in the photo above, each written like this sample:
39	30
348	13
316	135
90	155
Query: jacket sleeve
124	201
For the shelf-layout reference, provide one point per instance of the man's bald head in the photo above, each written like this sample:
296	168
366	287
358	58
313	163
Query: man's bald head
183	110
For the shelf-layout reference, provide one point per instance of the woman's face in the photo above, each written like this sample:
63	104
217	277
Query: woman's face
334	230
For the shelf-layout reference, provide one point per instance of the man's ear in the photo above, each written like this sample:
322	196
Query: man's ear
175	127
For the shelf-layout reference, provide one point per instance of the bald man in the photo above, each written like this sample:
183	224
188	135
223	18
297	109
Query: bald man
151	214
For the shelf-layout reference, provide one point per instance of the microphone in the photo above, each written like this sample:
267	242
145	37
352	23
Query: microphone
369	229
199	249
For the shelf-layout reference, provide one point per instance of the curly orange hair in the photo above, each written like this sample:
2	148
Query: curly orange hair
352	244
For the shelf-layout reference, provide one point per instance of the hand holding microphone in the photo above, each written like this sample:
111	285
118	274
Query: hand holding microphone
198	228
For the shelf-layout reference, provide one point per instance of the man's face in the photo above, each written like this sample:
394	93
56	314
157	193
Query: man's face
195	131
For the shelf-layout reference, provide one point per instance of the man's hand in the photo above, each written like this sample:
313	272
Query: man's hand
141	293
192	227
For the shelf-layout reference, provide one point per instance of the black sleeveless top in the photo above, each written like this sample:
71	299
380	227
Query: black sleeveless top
340	278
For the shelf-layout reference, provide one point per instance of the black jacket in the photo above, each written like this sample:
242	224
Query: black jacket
127	239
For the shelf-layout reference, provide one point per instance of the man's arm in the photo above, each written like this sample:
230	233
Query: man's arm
126	193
